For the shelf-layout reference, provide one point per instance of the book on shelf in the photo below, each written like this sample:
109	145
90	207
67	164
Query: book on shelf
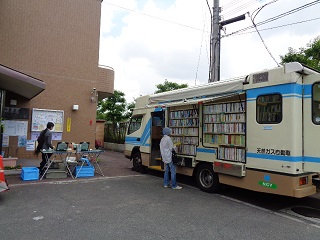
224	128
188	122
225	139
192	113
223	117
232	154
225	107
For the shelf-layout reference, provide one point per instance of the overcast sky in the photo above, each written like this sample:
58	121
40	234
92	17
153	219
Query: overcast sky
148	41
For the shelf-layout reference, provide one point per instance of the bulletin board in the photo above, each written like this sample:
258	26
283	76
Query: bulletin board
40	118
15	128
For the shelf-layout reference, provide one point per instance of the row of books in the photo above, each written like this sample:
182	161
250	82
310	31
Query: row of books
224	128
230	117
269	117
185	140
187	122
225	107
192	113
223	139
185	131
232	154
187	149
270	98
270	108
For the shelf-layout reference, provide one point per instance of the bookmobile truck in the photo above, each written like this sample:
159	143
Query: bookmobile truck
260	132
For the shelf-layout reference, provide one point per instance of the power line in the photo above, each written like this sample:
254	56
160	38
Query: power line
204	25
151	16
265	45
239	8
289	12
275	18
232	3
285	25
259	9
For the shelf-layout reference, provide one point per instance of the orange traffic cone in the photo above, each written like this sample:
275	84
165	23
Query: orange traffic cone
3	183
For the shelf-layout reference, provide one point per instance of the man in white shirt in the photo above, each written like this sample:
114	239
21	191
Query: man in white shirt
166	146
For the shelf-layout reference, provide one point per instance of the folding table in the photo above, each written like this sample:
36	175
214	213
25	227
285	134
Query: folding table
63	156
92	156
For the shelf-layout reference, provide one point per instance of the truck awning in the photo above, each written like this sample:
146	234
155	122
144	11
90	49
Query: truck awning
20	83
196	93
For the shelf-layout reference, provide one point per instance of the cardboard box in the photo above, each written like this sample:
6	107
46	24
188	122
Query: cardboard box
84	171
29	173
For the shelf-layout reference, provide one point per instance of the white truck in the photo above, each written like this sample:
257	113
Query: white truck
259	132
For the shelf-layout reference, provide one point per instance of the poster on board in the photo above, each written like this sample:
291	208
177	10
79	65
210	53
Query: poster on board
55	136
40	118
31	145
15	128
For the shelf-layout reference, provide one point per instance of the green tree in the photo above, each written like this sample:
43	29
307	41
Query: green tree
114	108
130	107
168	86
309	56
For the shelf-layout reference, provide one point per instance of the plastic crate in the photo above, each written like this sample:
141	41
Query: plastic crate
84	171
30	173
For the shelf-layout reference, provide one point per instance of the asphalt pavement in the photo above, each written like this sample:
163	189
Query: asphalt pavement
111	163
125	204
135	206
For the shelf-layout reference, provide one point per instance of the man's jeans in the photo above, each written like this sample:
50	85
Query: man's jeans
172	168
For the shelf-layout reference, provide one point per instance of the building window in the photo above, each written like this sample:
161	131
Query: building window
269	108
135	124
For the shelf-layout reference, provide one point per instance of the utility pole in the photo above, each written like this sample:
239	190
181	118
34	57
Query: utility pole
215	44
214	73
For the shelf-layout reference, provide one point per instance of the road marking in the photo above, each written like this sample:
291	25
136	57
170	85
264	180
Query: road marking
286	214
78	180
38	218
288	211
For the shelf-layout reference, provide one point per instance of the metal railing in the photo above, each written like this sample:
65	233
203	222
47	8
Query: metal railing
115	132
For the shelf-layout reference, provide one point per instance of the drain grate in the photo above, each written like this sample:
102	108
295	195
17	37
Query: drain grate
307	211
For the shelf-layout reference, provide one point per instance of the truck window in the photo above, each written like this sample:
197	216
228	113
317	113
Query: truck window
135	124
269	109
316	103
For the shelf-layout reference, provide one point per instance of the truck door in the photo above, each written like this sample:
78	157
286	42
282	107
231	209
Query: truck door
156	135
311	123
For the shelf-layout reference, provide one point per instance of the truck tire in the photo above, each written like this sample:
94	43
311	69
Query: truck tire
137	163
207	180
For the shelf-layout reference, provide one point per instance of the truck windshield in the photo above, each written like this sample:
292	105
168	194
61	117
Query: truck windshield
135	124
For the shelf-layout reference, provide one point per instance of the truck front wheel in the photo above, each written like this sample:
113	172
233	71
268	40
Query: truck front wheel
136	162
207	180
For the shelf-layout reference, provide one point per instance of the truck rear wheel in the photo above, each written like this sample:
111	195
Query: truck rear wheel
207	180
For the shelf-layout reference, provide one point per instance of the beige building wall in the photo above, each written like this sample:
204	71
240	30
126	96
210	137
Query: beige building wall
58	43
